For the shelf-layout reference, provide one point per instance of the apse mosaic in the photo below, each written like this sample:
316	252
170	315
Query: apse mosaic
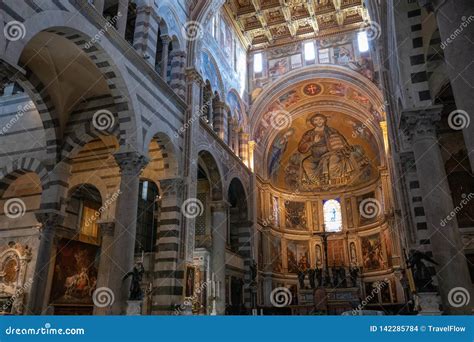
319	152
305	93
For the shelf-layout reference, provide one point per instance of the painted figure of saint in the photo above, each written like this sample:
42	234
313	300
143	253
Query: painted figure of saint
278	149
329	156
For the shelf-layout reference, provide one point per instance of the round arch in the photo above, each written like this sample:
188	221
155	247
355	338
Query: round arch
103	54
208	163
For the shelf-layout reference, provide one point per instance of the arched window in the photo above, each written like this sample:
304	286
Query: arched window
332	216
146	217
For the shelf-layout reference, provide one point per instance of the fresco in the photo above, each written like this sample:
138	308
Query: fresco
298	256
295	215
233	101
278	67
275	254
75	273
209	71
314	155
372	254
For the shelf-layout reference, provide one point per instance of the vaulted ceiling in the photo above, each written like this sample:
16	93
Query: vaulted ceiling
273	22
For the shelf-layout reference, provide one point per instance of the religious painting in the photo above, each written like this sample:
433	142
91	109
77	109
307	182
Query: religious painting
275	254
337	89
278	67
235	107
297	256
288	99
209	71
385	292
312	89
277	150
190	275
387	242
275	212
315	210
295	215
75	273
328	158
372	254
343	54
336	253
368	208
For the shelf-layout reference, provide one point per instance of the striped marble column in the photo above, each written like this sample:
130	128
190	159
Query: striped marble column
146	33
219	118
168	280
178	75
245	250
244	147
165	56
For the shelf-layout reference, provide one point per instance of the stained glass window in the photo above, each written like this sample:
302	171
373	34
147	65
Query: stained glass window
332	215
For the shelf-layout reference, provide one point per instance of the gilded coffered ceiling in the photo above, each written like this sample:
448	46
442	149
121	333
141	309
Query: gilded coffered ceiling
273	22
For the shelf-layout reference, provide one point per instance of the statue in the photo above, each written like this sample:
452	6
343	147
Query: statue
137	275
311	274
421	273
354	272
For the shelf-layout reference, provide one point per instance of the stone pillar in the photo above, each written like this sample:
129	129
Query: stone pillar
99	6
444	234
164	57
145	37
169	267
219	212
178	76
122	20
244	147
219	118
106	260
456	27
235	137
48	220
131	164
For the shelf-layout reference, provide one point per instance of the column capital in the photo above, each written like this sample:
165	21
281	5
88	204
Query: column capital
49	218
420	123
131	163
171	185
106	228
192	75
220	205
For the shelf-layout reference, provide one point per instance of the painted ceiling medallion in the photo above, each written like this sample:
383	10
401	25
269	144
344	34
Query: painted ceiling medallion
312	89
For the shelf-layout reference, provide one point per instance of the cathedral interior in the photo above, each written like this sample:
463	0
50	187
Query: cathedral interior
237	157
